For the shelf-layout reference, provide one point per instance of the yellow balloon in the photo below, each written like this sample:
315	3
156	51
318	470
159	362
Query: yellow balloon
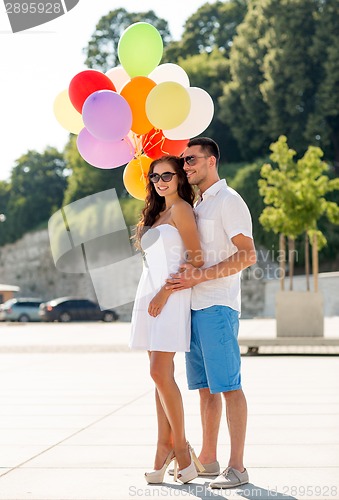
135	176
66	114
168	105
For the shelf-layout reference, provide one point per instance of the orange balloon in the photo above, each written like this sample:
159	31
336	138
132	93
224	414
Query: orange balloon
135	92
135	176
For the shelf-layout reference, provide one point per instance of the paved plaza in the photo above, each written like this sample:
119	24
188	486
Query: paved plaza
77	419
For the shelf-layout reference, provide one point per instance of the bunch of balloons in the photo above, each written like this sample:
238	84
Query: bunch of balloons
136	112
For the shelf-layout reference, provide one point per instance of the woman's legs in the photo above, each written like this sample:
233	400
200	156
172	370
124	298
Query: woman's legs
165	439
170	410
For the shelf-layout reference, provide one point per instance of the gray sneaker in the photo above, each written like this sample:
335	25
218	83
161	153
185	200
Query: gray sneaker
230	478
212	469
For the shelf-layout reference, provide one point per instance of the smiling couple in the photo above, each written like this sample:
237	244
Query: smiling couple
188	300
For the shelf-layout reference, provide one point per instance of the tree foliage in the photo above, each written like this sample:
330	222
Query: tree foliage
323	122
284	76
36	190
242	108
295	192
4	195
102	49
209	72
211	27
85	179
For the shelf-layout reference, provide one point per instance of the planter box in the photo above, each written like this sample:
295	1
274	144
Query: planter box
299	314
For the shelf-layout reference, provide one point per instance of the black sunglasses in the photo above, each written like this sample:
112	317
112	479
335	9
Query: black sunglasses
192	159
166	177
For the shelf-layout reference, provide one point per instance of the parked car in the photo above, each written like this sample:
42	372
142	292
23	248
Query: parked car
21	309
67	309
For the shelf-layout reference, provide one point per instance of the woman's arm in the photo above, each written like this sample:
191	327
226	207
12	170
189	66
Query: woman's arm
184	220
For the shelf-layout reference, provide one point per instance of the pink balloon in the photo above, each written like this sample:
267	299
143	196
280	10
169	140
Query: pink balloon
107	115
104	154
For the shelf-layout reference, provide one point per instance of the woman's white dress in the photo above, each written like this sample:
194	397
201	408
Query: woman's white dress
170	331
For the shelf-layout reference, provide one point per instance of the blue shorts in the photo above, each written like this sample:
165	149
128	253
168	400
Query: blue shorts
214	359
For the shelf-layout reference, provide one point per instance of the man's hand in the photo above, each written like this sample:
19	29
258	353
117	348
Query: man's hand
187	277
157	303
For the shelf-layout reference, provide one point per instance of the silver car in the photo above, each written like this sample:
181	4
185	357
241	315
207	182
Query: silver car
20	310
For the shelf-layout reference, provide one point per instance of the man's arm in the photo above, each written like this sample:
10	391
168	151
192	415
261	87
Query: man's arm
244	257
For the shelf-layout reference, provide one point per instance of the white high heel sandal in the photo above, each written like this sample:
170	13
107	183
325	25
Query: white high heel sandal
157	476
191	472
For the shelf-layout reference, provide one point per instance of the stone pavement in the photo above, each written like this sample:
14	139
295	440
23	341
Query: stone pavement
77	419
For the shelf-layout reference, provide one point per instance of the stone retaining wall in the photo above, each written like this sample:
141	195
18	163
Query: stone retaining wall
28	263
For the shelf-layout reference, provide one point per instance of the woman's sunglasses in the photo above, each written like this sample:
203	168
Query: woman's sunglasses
166	177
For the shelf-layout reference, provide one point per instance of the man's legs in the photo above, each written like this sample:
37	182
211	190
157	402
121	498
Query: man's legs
210	410
213	364
236	414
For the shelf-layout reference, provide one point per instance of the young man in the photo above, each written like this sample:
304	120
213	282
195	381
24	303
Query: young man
213	363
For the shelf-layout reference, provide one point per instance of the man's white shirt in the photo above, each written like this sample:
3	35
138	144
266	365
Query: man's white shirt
221	214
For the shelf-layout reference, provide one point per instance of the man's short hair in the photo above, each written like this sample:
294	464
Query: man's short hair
208	145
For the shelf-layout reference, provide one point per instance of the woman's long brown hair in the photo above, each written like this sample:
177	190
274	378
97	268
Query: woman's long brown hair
154	203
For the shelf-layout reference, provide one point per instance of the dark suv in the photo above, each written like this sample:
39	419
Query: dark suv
67	309
20	310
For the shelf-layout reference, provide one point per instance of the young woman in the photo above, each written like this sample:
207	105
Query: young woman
161	320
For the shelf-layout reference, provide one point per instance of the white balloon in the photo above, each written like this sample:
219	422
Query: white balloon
198	119
170	72
118	76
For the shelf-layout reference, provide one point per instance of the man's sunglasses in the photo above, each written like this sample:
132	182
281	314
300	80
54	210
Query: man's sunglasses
166	177
192	159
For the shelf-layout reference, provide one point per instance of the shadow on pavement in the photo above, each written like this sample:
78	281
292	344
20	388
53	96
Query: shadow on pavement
248	491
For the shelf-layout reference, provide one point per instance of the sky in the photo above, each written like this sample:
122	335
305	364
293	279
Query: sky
37	64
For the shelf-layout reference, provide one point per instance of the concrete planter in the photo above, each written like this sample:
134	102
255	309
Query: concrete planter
299	314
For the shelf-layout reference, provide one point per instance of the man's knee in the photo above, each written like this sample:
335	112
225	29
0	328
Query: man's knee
205	393
234	395
207	397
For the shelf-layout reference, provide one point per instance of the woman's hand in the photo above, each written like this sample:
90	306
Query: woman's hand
157	303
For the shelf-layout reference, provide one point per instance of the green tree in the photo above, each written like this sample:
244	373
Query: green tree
242	108
211	27
102	49
4	197
285	76
37	188
323	122
288	85
295	195
209	72
85	179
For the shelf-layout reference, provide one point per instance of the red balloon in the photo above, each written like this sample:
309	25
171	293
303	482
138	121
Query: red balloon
85	83
155	144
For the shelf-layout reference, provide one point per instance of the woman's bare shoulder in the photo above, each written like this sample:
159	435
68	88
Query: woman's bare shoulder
180	207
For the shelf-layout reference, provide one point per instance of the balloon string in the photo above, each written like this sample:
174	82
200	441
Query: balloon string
142	175
131	149
148	143
136	144
160	142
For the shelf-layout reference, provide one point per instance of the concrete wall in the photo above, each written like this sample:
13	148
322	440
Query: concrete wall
28	264
328	286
